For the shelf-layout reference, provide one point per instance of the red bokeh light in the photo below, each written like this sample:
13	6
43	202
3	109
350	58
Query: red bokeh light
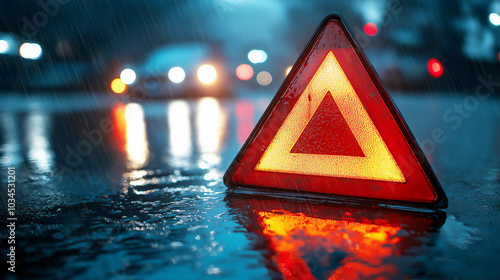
435	68
244	72
370	29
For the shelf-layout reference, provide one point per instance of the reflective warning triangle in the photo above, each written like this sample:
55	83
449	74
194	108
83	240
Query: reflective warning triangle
333	129
377	162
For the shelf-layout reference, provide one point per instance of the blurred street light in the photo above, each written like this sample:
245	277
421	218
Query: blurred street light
264	78
495	19
257	56
4	46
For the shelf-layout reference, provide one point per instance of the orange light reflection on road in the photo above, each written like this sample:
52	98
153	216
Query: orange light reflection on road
351	250
131	133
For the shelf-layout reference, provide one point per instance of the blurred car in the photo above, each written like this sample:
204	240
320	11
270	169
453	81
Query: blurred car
178	71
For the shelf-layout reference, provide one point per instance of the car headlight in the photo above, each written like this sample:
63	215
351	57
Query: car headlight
207	74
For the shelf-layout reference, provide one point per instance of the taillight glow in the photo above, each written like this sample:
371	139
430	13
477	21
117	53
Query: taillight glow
370	29
435	68
244	72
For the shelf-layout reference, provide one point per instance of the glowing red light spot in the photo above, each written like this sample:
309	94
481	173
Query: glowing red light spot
370	29
499	56
244	72
435	68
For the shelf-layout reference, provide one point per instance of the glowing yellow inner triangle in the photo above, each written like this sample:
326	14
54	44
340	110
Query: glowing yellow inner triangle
378	162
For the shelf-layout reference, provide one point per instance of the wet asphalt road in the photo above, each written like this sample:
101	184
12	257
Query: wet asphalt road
122	190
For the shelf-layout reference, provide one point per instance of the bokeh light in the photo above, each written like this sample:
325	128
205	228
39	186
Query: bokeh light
264	78
435	68
128	76
176	74
207	74
244	72
370	29
494	19
288	69
257	56
117	86
30	51
4	46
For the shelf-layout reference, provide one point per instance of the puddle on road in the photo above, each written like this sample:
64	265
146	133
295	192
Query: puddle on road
456	234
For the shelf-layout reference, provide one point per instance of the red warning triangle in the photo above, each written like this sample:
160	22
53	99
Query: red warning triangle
327	133
333	129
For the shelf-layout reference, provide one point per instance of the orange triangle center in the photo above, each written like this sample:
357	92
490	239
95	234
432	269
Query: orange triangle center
327	133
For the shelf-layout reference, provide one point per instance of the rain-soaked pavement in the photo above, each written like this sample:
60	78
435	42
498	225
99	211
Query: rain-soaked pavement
134	191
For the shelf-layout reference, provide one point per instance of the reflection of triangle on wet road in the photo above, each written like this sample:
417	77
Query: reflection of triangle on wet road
286	153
